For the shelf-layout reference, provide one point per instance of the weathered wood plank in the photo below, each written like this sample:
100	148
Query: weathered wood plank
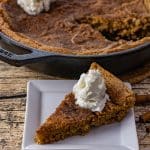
13	80
139	110
11	72
147	80
138	74
143	137
11	123
141	86
17	104
145	147
12	116
10	87
11	136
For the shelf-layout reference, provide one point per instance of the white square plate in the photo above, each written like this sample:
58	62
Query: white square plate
43	96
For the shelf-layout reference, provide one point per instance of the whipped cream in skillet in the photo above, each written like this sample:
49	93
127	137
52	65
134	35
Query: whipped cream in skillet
34	7
90	91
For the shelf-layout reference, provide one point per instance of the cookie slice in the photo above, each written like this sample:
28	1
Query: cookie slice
70	119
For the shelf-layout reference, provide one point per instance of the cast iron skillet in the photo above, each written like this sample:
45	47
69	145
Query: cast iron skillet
70	66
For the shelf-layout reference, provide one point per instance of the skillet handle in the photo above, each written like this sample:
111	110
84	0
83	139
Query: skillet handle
22	59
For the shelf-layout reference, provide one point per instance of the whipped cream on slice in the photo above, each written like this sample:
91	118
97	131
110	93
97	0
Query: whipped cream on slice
34	7
90	91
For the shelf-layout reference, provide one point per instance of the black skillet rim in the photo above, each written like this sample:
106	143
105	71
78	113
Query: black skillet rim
123	52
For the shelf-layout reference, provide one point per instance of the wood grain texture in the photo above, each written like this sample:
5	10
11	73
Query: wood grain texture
13	79
138	74
12	106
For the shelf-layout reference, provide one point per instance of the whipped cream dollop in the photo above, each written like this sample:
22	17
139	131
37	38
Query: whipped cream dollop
34	7
90	91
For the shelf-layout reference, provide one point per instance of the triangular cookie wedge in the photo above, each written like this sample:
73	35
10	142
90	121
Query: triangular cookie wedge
69	119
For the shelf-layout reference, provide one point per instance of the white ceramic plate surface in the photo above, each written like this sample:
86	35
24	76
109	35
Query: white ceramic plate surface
43	96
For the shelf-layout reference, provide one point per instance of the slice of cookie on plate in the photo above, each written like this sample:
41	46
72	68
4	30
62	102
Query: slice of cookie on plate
70	119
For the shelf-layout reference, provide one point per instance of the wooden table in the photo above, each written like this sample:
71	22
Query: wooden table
13	100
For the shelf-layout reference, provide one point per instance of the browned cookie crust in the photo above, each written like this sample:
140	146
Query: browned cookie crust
69	119
80	27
